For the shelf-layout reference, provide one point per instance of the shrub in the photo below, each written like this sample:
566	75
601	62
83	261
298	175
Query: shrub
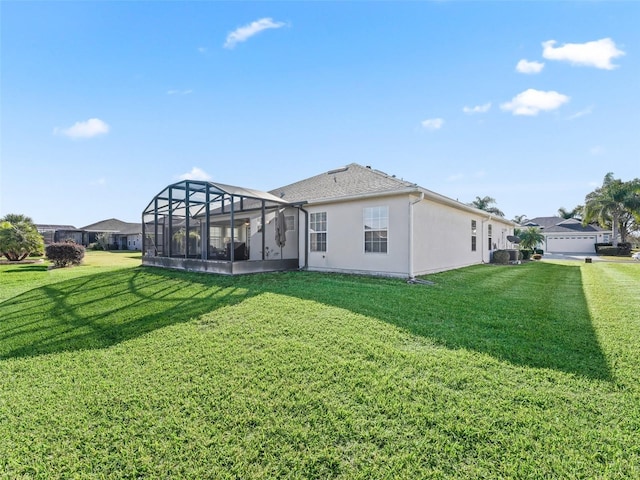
538	251
623	249
95	246
501	257
65	254
526	254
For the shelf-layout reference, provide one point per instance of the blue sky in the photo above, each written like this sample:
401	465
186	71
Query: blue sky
103	104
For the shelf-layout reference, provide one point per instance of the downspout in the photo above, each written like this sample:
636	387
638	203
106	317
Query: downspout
306	238
411	204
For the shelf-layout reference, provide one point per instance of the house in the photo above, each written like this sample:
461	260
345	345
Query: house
568	235
120	235
353	219
59	233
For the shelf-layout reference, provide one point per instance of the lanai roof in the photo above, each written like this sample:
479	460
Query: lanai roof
195	193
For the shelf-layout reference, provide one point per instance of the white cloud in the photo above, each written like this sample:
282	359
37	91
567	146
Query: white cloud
455	177
202	50
581	113
477	109
597	151
531	102
242	34
88	129
433	123
196	173
598	53
179	92
525	66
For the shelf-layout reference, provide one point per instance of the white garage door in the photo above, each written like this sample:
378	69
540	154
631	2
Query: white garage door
577	244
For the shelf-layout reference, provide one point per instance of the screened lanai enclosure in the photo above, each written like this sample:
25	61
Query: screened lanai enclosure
210	227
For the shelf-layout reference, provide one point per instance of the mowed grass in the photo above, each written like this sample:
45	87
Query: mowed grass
492	372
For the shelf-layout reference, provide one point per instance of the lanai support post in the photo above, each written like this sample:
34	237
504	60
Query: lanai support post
232	253
264	227
207	211
186	220
170	222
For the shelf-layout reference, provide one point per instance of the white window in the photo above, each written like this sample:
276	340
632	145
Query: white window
489	235
289	223
474	233
318	231
376	229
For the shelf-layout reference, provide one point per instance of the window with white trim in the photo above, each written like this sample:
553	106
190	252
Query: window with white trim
489	235
376	229
474	233
289	223
318	232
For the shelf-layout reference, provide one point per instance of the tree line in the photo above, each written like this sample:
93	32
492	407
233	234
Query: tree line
615	205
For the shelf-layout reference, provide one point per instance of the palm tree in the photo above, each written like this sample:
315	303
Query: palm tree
530	238
613	204
485	203
519	219
566	214
19	237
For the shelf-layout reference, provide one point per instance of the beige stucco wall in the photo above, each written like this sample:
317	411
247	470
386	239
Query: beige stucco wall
441	237
345	238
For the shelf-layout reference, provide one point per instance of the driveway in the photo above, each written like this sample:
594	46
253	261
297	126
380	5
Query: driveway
571	256
581	256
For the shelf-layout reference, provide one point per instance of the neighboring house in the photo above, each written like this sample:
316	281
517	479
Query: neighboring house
59	233
352	219
121	235
568	235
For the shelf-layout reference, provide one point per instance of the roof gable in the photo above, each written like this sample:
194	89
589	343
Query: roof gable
348	181
113	225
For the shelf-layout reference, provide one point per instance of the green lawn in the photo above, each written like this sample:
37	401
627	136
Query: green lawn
109	370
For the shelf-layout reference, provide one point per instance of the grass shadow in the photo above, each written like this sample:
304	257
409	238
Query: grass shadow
28	268
534	315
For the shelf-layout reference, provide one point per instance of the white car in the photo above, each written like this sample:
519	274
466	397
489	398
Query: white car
636	256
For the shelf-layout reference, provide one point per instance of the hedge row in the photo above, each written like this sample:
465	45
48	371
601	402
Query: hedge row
622	250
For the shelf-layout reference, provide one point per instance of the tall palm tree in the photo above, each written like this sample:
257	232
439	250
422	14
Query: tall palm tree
485	203
566	214
613	204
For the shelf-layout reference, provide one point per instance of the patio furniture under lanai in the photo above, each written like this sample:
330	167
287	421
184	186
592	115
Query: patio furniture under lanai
211	227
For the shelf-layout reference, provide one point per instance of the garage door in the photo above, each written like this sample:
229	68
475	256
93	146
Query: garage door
578	244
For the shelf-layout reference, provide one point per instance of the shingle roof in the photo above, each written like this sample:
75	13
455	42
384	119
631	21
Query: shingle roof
348	181
353	181
43	226
115	226
561	225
